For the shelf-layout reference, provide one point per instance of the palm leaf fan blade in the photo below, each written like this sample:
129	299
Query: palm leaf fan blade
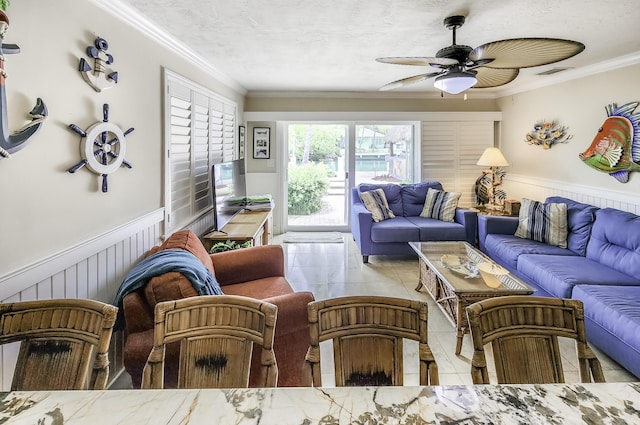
406	81
526	52
418	61
489	77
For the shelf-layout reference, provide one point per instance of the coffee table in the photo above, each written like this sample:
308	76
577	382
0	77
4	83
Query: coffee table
451	289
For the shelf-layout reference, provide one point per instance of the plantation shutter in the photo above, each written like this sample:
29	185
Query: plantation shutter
450	150
201	132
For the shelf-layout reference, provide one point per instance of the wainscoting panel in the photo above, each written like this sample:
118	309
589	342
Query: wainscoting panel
93	269
518	187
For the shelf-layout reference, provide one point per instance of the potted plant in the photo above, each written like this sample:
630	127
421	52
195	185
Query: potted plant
228	246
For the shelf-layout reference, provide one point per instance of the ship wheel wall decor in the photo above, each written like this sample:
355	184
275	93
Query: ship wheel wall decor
103	148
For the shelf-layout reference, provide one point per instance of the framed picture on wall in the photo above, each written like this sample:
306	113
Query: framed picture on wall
261	142
241	141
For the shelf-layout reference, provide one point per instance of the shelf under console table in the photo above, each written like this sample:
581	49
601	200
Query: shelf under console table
253	226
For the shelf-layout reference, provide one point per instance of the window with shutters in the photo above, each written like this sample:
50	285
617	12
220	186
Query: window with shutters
200	130
450	151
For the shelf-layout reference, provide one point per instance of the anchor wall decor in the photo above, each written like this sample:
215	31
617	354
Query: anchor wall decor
103	147
11	143
97	77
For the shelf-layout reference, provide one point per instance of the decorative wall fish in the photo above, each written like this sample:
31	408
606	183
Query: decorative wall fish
616	148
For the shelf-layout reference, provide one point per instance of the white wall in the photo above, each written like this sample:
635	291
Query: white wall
44	209
580	105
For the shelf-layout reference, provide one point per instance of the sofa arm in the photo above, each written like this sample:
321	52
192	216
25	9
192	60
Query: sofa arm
291	339
469	219
292	311
502	225
138	317
361	221
243	265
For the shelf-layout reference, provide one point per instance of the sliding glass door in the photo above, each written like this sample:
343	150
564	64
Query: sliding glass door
384	153
317	176
326	159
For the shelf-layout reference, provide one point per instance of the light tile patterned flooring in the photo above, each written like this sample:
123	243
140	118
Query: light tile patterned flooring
336	269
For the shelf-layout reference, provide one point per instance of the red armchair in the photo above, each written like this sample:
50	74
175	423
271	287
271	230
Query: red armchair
256	272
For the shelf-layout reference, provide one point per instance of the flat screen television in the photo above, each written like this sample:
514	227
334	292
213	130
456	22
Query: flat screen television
229	191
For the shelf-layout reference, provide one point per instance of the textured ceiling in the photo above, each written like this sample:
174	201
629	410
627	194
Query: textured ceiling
304	45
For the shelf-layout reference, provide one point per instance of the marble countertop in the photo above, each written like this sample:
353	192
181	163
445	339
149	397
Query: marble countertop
607	403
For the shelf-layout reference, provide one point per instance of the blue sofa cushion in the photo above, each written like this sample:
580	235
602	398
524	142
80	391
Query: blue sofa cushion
432	229
375	202
391	192
543	222
615	241
414	195
614	308
398	229
558	275
507	248
580	218
440	205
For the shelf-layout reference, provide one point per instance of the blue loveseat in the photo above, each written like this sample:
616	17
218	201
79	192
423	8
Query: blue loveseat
600	266
391	236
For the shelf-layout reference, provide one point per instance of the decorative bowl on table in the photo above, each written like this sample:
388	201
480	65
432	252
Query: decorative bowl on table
491	274
460	265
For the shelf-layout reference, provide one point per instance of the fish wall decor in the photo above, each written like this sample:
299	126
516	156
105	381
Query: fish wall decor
615	150
547	133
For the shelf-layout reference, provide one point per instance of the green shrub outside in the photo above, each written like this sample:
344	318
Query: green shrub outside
308	183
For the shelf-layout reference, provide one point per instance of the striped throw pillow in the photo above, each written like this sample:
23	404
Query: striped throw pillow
542	222
376	202
440	205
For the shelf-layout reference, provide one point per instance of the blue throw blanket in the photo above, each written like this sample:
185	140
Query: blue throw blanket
168	260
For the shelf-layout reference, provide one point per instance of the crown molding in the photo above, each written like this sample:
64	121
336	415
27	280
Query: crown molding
394	116
574	74
133	17
366	95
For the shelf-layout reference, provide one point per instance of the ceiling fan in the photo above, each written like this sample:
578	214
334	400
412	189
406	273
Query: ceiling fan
489	65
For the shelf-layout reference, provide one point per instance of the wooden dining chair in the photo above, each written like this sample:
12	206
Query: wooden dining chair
524	332
368	334
216	334
59	341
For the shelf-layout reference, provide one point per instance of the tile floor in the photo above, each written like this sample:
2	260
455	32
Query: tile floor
336	269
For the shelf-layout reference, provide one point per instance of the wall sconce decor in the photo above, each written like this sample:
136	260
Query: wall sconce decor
487	187
547	133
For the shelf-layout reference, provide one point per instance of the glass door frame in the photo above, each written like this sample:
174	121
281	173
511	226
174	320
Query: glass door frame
350	159
349	162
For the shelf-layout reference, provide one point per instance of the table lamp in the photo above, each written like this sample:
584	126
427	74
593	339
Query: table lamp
487	186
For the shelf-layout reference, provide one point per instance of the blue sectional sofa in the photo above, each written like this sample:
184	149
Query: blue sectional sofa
391	236
600	266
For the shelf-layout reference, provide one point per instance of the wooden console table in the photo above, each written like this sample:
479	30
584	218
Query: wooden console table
254	226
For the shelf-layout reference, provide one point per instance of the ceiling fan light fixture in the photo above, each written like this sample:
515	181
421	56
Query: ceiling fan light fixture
455	82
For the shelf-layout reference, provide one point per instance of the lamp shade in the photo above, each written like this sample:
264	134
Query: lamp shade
455	82
492	157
